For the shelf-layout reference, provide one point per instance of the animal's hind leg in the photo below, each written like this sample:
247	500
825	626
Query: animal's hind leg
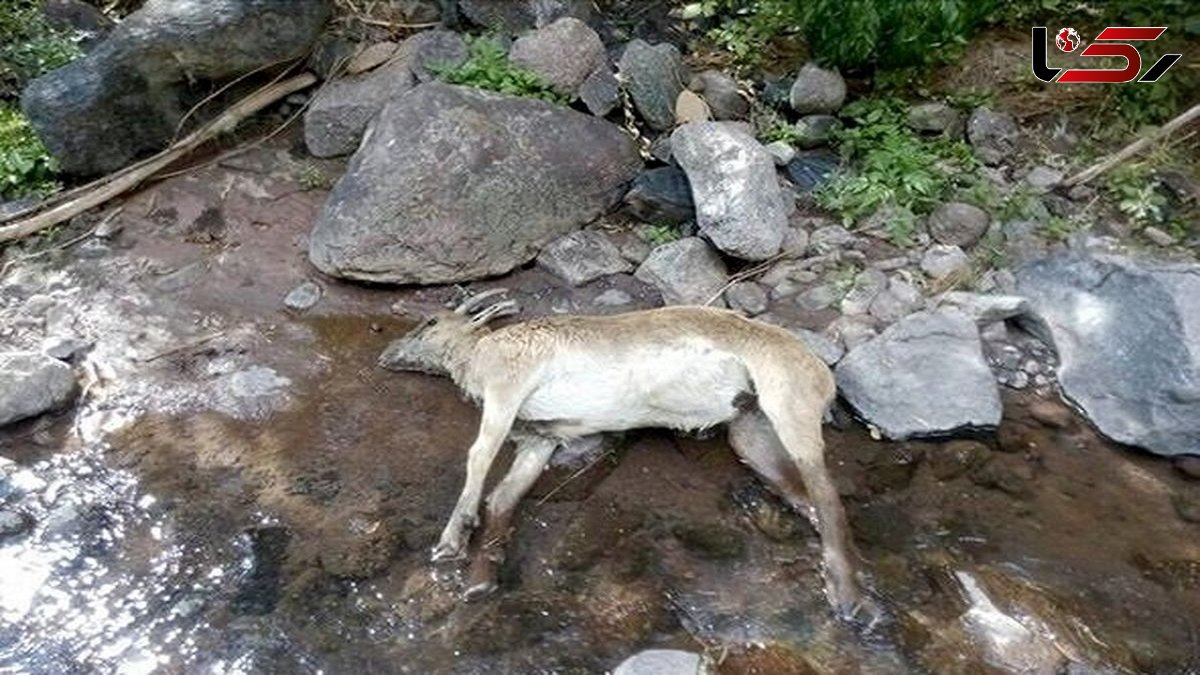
533	452
754	440
799	438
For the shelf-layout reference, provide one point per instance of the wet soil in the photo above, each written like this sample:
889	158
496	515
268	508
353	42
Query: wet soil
242	490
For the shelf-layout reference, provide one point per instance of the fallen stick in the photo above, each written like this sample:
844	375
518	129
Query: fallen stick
1133	148
129	178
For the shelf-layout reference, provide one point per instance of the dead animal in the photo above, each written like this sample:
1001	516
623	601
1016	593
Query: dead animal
687	368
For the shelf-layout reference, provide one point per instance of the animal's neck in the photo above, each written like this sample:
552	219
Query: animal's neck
458	357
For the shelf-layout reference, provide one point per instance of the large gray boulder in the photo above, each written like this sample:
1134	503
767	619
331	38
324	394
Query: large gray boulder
514	16
563	54
739	205
1127	333
655	76
31	384
128	95
453	183
923	376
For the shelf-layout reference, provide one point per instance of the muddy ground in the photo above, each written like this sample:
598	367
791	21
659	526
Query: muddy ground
241	489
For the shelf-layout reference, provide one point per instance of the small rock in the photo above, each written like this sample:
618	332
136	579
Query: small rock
747	297
1187	506
303	297
957	458
722	94
985	309
1010	475
895	302
940	261
13	523
372	56
661	196
1051	414
600	92
583	256
781	152
816	130
831	238
337	119
613	297
993	135
686	272
31	384
1158	237
817	298
811	169
795	241
867	286
689	107
663	662
958	224
66	348
563	54
852	331
938	118
892	467
817	90
1188	465
431	51
1043	178
655	76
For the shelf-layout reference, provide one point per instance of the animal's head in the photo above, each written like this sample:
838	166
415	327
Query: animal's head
430	346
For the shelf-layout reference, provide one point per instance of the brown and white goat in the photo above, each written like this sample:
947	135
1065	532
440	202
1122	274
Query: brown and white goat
685	368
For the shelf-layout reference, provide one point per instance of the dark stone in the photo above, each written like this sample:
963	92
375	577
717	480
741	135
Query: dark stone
655	76
957	458
809	170
127	96
710	540
662	196
258	589
1010	475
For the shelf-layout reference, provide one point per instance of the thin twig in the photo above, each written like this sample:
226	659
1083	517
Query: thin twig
182	348
225	87
1133	148
545	498
747	274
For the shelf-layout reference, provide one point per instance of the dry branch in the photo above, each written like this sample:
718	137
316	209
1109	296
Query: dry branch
130	177
1133	148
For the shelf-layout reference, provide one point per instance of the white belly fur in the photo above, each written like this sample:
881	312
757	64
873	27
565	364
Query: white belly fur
688	384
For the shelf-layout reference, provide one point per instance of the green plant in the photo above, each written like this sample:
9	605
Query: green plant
1057	228
29	46
895	167
487	67
311	177
26	168
1134	187
657	235
849	34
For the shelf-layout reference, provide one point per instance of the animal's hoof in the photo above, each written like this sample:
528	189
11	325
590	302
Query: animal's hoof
866	614
443	553
479	591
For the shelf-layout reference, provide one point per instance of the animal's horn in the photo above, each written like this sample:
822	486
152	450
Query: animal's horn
504	308
476	301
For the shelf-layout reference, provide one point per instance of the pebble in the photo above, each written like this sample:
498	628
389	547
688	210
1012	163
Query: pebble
303	297
1158	237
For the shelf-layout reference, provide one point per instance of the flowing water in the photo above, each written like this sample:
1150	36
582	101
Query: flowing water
241	490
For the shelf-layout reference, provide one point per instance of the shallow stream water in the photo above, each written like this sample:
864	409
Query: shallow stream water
241	490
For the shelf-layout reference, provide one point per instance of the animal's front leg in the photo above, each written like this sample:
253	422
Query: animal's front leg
532	455
498	415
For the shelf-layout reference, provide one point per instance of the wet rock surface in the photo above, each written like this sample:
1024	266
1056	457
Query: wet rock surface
246	491
31	384
1126	333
